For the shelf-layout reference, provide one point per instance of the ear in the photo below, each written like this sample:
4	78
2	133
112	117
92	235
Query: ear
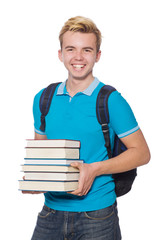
60	55
98	55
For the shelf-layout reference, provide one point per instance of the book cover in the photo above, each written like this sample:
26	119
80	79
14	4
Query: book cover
50	161
52	176
48	168
68	153
46	186
53	143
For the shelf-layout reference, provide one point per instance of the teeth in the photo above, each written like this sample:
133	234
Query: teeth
78	66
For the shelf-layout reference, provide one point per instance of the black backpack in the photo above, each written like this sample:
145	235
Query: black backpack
123	181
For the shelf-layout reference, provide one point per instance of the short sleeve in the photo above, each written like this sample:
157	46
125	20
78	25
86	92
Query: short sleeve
122	119
37	113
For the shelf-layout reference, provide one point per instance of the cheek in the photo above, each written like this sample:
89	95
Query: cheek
91	58
67	58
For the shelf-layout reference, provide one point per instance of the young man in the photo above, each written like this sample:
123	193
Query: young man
89	212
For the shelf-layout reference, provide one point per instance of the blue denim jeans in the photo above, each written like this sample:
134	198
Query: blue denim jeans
95	225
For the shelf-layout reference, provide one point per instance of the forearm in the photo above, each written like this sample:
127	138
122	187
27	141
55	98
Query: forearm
126	161
137	154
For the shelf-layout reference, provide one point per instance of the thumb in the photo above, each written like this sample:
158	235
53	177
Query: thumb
75	164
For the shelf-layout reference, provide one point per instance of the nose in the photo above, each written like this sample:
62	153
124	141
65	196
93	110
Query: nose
79	55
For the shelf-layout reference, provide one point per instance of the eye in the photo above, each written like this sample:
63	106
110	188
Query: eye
87	50
69	49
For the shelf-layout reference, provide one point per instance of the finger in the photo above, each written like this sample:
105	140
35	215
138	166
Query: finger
76	192
81	191
76	165
32	192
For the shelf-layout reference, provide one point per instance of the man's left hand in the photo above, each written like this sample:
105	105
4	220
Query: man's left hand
86	178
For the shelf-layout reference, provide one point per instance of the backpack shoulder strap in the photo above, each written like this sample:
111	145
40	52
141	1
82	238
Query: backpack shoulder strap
123	181
45	102
103	113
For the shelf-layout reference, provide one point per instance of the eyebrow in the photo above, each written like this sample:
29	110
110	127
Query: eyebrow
88	48
83	48
69	47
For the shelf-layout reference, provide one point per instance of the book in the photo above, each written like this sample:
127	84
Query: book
48	168
64	176
47	165
53	143
46	186
70	153
50	161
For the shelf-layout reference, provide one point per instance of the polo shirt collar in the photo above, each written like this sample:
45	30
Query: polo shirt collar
62	88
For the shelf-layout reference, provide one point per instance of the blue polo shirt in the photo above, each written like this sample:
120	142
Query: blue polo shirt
75	118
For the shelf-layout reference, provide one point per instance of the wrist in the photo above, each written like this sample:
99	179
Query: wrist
97	168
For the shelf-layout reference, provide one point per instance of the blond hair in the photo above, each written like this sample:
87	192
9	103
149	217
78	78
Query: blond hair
83	25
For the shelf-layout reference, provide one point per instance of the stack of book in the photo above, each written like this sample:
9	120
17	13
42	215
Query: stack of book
47	165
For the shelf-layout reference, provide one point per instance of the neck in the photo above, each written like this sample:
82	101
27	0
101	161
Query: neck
74	86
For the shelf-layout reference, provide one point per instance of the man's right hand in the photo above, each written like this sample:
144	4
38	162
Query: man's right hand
32	192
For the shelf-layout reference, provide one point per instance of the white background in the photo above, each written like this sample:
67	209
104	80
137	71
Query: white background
28	62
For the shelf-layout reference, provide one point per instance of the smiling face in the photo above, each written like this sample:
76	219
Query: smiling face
79	54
